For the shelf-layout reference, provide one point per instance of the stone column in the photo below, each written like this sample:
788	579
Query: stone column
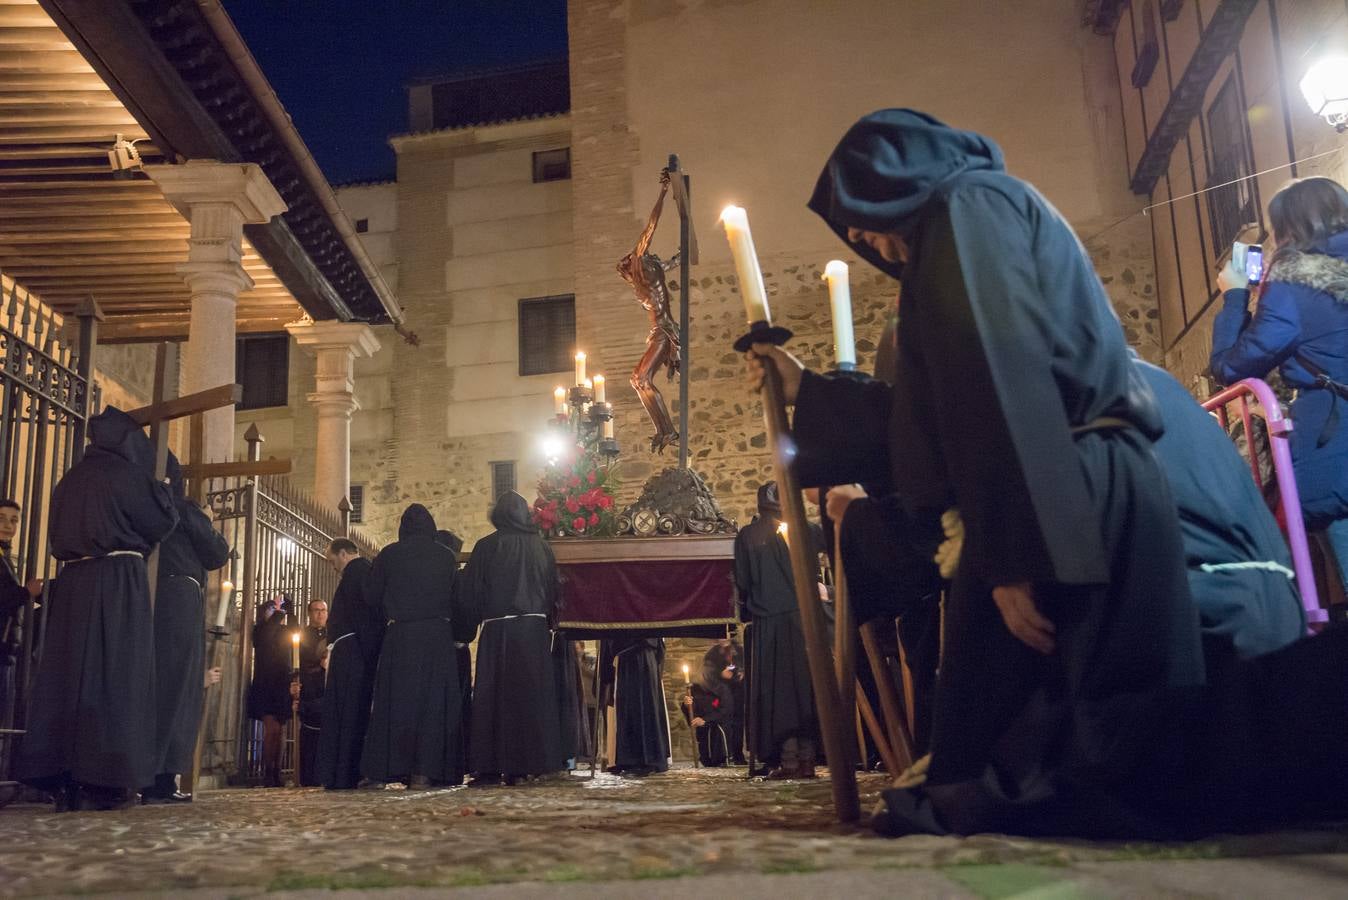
218	199
335	346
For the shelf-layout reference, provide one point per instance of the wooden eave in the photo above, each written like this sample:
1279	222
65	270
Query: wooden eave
68	228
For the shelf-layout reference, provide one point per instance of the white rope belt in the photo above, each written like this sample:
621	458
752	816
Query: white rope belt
189	578
1262	565
339	640
135	553
516	616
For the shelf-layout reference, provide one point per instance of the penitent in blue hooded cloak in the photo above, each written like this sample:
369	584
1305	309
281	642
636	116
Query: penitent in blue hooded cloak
1016	402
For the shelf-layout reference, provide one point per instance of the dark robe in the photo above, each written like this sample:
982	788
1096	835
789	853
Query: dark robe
572	717
357	630
714	702
887	556
511	586
781	705
630	669
13	599
92	712
1245	611
415	728
185	556
1015	402
269	691
313	646
463	654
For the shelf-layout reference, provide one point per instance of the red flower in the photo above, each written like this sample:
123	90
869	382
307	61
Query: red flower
591	478
571	505
552	505
575	481
588	499
594	519
578	523
605	501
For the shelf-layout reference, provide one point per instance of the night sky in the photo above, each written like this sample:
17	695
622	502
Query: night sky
340	66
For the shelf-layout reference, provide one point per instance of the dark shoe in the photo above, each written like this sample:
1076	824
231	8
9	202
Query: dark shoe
160	800
485	780
67	798
738	761
100	799
272	779
788	773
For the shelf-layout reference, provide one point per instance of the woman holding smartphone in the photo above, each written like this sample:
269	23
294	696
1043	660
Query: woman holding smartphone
1300	327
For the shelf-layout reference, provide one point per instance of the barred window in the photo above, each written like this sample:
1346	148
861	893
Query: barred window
1232	203
547	334
502	479
357	504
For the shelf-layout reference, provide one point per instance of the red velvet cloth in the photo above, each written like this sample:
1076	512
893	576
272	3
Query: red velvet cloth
647	593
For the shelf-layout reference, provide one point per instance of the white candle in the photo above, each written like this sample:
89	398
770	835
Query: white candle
608	429
750	276
295	650
840	299
580	369
599	389
559	395
226	589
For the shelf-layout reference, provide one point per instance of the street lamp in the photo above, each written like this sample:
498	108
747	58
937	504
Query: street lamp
1325	87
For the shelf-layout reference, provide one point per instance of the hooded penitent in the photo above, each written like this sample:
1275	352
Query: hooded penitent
415	727
1016	403
511	584
92	708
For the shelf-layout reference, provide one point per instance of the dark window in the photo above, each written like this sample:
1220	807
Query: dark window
362	226
262	367
1149	50
357	503
1232	203
502	479
552	165
547	334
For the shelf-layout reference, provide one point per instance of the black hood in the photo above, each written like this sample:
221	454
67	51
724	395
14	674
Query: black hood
117	433
769	503
512	514
446	538
885	170
417	522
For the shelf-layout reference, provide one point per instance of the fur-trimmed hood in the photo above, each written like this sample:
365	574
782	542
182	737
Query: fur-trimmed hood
1318	271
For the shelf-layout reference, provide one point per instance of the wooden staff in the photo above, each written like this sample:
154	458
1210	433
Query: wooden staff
899	737
844	637
878	735
842	775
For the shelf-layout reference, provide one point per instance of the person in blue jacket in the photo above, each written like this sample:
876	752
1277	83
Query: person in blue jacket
1300	326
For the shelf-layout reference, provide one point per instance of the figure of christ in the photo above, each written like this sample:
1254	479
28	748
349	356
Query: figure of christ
645	272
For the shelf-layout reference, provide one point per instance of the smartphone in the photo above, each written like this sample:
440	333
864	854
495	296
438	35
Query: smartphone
1254	263
1248	258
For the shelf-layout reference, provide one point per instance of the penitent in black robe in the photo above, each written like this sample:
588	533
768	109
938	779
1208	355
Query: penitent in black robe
630	668
510	584
92	713
185	556
1015	401
781	700
415	717
356	631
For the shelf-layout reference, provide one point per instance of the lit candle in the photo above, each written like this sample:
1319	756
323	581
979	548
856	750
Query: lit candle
295	650
750	276
580	368
840	298
687	679
781	529
226	589
599	389
608	429
559	396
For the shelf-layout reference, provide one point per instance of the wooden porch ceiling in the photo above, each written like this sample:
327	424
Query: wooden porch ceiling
68	227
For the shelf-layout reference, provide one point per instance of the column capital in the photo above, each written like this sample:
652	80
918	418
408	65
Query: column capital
333	404
220	277
243	187
357	338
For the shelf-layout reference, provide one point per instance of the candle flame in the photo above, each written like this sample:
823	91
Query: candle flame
598	379
590	384
559	392
734	217
580	355
227	585
781	529
294	637
836	268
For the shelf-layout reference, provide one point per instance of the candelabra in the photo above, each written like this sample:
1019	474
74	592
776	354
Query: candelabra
589	423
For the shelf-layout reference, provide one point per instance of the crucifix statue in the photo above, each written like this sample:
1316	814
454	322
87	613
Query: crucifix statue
645	272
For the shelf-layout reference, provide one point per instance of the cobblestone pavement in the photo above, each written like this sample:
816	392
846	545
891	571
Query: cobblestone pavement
709	825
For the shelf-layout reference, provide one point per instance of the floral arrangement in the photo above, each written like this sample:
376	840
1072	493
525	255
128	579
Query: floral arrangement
573	500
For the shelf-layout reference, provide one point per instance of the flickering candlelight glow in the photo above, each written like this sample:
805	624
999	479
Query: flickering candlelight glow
747	271
552	449
559	398
295	650
840	299
580	368
687	679
599	396
781	529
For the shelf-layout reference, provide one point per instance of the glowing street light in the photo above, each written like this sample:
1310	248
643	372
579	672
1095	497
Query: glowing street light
1325	87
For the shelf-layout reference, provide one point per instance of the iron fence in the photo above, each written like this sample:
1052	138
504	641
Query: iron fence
46	398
